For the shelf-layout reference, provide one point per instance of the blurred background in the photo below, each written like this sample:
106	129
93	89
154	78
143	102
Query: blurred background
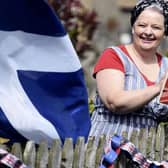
94	25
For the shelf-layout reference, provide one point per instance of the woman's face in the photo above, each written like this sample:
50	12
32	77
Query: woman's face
148	30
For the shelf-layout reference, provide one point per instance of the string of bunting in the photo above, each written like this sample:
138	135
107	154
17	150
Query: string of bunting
8	160
118	144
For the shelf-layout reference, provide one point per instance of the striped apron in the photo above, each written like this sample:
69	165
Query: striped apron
108	123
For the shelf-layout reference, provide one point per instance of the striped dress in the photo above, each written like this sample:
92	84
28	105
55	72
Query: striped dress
108	123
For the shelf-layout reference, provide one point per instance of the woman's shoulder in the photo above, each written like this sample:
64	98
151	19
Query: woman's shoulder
162	57
163	61
108	59
113	52
113	48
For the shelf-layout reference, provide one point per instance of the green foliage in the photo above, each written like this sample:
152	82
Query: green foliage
79	22
91	106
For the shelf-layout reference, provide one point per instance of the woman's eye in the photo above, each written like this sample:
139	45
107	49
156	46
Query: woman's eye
141	25
156	27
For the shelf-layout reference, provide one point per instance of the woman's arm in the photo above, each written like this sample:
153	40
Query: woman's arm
110	84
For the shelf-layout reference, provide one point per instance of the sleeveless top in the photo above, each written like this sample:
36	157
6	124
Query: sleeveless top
109	123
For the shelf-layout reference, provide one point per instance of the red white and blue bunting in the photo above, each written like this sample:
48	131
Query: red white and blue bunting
119	144
8	160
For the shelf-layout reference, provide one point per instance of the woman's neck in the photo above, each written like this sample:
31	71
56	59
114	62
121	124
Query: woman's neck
143	55
146	62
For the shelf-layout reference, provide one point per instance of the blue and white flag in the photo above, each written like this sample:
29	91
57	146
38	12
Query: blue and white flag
42	88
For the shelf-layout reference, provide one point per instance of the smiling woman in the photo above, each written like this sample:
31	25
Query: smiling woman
130	77
149	29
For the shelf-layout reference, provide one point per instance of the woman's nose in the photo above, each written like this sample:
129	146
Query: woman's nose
148	31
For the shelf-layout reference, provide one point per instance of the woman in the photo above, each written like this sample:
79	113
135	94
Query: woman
130	77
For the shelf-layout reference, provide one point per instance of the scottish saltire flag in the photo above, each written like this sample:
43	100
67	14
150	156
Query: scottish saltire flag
42	88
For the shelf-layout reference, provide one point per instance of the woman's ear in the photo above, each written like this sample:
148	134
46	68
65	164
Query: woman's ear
132	30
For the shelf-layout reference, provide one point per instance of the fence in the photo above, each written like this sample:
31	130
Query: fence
154	146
